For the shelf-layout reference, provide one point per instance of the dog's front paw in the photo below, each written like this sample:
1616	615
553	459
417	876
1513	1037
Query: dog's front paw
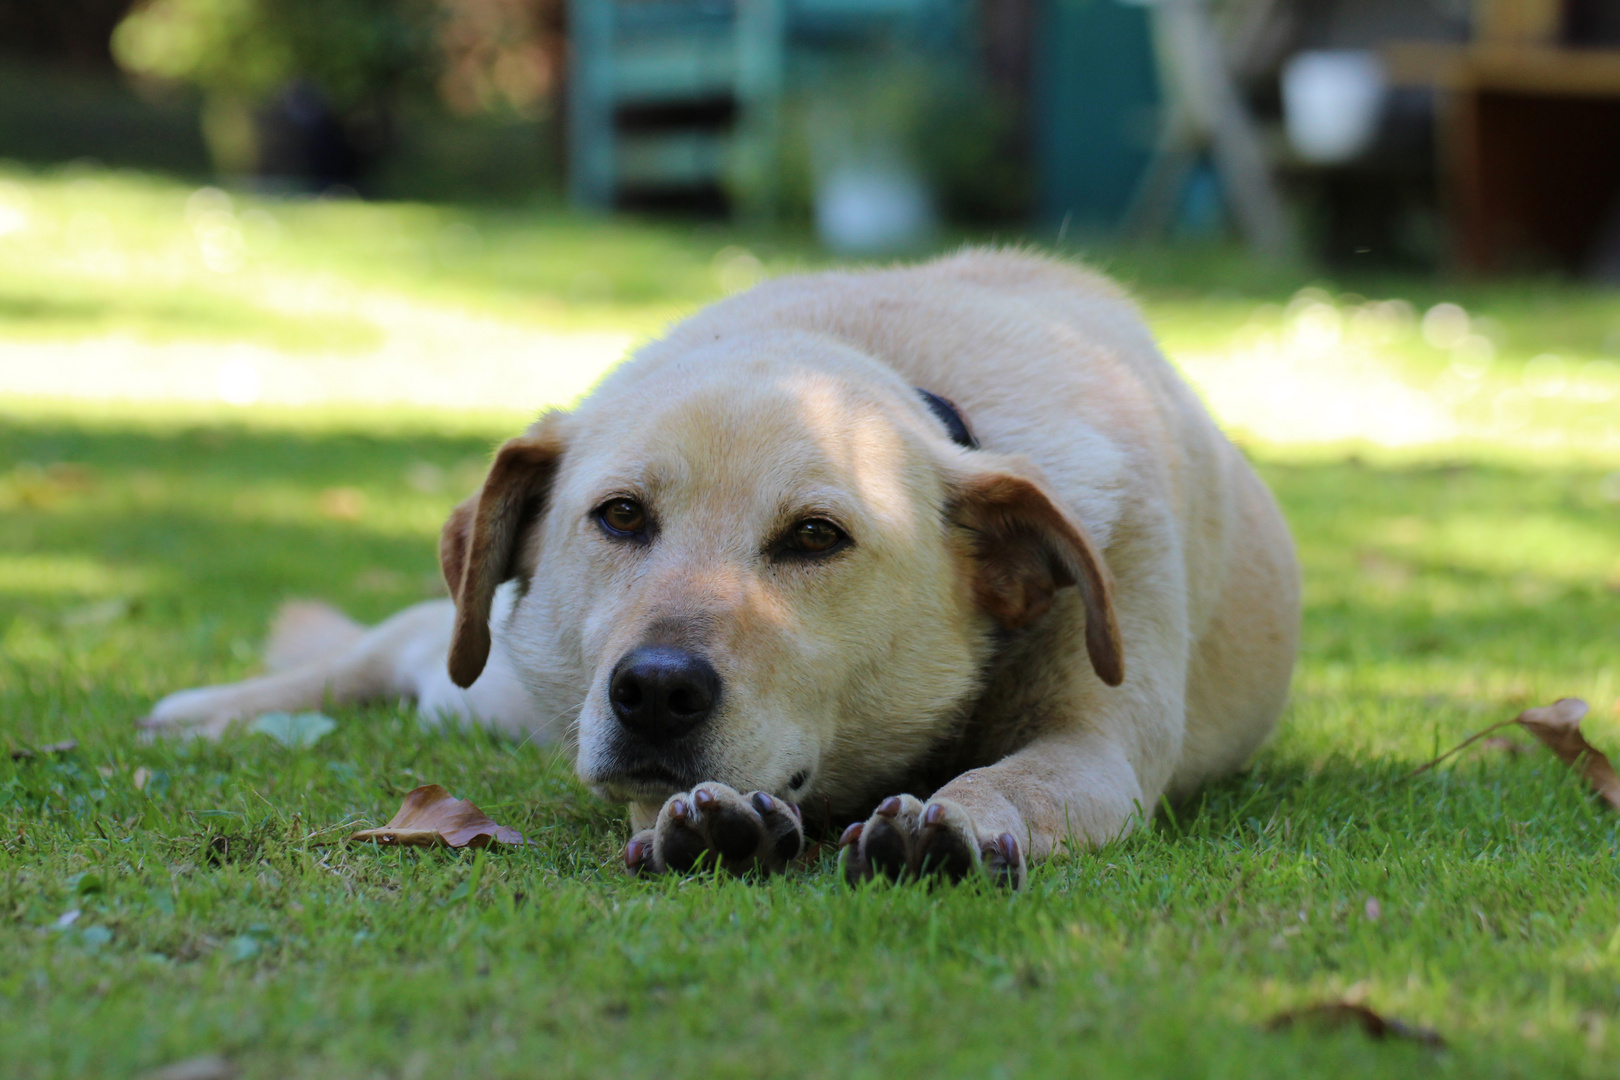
712	824
906	838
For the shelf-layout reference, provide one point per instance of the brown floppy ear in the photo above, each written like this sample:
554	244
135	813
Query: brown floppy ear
1025	550
481	543
454	539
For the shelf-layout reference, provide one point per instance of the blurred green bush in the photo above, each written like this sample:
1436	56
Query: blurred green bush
352	49
313	89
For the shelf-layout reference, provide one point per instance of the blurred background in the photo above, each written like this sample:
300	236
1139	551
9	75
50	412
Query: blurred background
1387	221
1472	133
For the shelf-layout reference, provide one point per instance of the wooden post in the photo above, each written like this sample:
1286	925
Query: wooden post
1203	112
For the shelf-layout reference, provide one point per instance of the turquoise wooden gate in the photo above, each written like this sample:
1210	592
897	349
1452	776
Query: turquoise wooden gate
684	94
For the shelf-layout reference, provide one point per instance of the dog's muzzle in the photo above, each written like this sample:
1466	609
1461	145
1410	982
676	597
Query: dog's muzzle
661	696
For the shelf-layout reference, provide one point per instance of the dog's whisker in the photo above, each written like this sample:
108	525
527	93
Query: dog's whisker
539	731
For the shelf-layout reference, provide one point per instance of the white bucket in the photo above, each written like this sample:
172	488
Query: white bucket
872	209
1332	101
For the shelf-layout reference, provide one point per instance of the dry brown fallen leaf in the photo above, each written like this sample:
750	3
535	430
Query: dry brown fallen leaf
1558	727
430	817
1334	1015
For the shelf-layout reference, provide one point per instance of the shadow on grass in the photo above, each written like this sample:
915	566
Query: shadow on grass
1482	802
138	500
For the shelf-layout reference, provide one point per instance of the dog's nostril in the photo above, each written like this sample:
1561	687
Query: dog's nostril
685	701
661	692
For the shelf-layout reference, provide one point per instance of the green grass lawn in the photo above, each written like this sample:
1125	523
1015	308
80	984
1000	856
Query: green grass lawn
1450	582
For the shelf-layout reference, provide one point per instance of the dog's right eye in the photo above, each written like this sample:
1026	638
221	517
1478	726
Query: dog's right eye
813	536
622	517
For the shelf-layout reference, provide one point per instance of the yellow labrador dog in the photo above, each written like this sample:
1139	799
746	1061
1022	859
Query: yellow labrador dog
949	551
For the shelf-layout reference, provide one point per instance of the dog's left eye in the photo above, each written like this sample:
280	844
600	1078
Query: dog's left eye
623	517
814	536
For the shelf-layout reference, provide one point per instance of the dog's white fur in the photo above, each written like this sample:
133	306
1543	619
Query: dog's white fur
945	643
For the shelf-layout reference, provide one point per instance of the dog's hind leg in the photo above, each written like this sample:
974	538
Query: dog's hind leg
307	630
401	658
365	670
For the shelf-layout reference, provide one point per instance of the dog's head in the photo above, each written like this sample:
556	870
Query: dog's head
764	563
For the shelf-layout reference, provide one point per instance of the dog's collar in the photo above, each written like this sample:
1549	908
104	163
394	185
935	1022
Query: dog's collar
951	417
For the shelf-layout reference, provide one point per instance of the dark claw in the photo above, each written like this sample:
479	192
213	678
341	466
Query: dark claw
679	810
764	803
889	807
852	834
635	854
933	815
1001	860
703	798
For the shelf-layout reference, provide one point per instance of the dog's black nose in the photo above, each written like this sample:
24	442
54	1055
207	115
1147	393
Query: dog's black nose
661	692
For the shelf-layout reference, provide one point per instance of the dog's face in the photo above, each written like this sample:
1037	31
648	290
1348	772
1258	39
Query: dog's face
764	564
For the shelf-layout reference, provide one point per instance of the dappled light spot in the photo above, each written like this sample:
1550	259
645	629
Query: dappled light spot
1328	370
69	575
343	503
30	484
239	382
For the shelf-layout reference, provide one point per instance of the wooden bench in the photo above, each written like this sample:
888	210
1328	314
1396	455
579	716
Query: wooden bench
1528	137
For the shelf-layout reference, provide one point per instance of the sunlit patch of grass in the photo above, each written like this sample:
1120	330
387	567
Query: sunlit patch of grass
116	287
47	575
192	259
